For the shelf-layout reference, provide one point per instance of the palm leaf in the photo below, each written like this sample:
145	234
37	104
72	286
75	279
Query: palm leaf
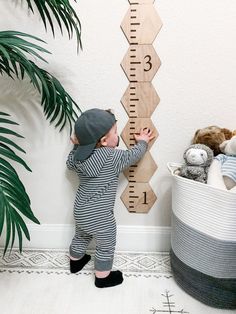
63	13
58	107
56	102
14	200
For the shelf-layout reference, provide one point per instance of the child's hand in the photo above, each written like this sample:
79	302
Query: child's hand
74	139
145	135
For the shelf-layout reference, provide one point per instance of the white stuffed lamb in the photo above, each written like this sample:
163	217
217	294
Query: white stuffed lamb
222	172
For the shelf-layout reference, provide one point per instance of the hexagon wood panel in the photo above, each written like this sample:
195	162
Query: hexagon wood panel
138	197
140	63
141	24
140	100
134	126
143	170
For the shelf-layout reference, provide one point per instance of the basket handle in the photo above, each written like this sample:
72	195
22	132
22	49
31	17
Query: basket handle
173	166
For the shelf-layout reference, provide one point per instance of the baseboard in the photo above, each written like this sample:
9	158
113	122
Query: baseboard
129	238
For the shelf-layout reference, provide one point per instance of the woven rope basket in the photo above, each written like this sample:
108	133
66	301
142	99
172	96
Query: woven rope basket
203	241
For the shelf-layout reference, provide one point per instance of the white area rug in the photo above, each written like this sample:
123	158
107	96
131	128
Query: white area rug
39	282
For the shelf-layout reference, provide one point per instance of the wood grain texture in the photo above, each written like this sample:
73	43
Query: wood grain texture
140	100
140	63
133	126
143	170
138	197
141	24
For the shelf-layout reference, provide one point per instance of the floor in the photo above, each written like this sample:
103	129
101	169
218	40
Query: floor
39	282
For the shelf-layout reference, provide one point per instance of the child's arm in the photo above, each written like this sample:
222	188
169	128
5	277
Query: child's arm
125	158
70	160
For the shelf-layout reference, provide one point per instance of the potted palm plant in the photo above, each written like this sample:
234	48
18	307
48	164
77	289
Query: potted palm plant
16	48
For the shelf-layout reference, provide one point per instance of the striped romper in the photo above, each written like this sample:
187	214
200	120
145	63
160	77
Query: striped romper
95	198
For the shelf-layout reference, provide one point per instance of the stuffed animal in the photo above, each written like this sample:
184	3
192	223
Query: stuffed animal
198	158
222	172
212	136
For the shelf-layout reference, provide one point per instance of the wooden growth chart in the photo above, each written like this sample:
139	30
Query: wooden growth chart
140	25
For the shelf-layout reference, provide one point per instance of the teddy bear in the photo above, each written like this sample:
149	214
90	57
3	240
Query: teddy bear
212	136
222	172
198	158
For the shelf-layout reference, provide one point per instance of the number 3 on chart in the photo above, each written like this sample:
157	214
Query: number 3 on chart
148	62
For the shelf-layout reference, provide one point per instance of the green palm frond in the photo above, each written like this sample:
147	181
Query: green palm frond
63	13
56	102
14	200
58	106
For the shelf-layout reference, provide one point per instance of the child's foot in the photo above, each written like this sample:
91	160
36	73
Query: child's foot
77	265
113	279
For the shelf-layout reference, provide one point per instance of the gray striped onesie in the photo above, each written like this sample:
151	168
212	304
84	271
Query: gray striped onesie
95	198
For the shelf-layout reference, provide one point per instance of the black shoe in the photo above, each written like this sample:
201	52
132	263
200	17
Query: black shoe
113	279
76	266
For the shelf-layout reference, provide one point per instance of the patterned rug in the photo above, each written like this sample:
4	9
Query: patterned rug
57	261
39	282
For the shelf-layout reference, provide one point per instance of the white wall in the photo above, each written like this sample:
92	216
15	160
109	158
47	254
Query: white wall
196	84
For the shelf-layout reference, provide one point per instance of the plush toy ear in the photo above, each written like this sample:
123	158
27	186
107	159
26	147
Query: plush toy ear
234	132
195	137
228	134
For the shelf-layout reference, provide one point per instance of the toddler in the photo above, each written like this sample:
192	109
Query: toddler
98	164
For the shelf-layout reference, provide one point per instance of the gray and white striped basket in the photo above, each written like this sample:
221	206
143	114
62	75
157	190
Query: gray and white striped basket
203	240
